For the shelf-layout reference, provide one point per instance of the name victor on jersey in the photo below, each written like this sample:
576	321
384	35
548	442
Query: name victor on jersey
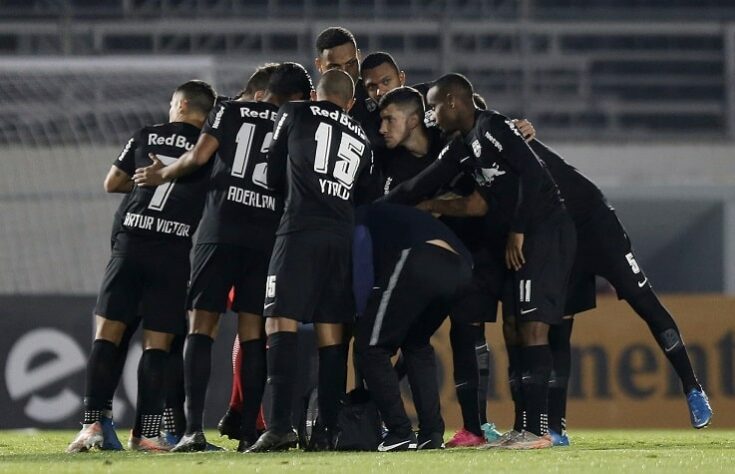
156	224
251	198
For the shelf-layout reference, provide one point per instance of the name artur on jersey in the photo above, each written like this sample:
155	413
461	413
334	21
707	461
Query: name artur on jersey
156	224
340	117
178	141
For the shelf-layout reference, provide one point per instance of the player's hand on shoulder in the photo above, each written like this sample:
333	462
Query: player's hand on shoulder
150	175
526	128
514	258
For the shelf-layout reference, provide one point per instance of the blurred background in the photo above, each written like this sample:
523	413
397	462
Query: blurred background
640	95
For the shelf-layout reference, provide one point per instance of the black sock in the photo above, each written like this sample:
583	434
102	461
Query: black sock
332	382
100	379
667	334
482	355
174	419
197	367
151	393
281	372
464	362
122	356
559	342
252	381
514	381
536	362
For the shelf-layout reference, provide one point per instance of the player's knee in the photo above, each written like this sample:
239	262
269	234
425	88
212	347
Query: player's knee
277	324
534	333
109	330
328	334
250	327
157	340
204	322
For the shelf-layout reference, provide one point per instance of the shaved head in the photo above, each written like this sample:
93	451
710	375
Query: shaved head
336	86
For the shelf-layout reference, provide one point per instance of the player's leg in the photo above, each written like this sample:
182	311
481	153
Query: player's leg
466	379
116	308
229	424
146	435
560	344
251	334
174	416
620	267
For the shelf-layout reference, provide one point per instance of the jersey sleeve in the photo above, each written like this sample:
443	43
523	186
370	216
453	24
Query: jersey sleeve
425	184
278	149
126	160
214	124
522	160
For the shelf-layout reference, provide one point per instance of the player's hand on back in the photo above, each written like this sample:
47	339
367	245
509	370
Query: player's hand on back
514	251
526	128
150	175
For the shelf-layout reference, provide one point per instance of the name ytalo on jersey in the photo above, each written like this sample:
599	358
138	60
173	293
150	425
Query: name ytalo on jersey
332	188
251	198
156	224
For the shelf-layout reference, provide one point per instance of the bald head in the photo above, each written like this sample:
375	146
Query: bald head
337	87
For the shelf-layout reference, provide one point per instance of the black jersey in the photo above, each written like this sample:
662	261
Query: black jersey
171	210
581	196
401	165
366	112
240	208
317	156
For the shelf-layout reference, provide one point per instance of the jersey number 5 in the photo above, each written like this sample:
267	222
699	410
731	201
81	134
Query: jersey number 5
350	151
162	192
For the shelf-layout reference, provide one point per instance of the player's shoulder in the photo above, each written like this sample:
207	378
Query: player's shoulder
254	110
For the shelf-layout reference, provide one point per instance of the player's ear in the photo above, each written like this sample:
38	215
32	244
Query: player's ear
450	100
350	104
312	95
318	64
258	96
402	78
414	121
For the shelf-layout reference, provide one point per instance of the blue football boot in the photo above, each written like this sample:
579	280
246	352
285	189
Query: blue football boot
699	410
559	439
110	441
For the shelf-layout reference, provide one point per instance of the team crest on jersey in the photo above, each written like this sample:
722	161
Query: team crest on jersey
371	105
476	148
486	176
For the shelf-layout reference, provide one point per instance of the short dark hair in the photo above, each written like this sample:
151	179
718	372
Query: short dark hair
407	97
198	94
374	60
288	79
456	84
258	81
332	37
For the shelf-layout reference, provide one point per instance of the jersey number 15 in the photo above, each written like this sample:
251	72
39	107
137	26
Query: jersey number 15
350	151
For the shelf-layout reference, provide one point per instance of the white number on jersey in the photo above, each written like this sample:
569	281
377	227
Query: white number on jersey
160	195
350	150
244	140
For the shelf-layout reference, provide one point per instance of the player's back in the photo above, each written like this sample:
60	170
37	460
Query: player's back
327	150
241	208
171	210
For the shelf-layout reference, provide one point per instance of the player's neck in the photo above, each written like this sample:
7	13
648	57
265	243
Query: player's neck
196	121
467	123
417	142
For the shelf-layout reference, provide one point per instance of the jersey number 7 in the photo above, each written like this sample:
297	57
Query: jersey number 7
160	195
350	151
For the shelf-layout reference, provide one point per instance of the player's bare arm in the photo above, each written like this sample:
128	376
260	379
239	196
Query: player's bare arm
192	160
514	258
118	181
473	205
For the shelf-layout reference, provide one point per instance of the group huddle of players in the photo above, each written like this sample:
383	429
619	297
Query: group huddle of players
374	211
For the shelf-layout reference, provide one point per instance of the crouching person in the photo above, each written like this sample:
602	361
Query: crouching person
414	266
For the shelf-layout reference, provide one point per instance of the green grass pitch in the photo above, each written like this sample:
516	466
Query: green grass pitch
591	451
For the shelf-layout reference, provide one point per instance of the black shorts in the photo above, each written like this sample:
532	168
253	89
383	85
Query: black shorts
310	278
151	285
412	299
216	268
604	249
478	301
537	292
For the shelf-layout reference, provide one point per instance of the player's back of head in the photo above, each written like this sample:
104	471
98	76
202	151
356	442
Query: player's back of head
258	81
199	95
379	58
407	98
290	81
332	37
336	86
456	84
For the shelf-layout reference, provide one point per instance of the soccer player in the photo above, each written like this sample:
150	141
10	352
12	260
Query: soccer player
413	147
317	154
147	272
234	242
418	267
229	424
538	232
